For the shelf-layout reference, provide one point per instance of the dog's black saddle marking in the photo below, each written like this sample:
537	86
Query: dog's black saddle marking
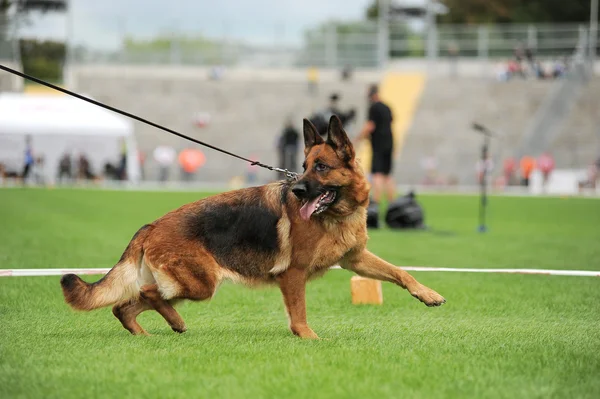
233	233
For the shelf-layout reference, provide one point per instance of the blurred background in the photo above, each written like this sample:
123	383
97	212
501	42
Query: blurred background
242	75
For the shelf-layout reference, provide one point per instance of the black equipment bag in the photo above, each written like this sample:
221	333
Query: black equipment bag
373	215
405	213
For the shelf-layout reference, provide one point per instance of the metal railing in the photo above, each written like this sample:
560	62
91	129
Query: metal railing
358	44
337	46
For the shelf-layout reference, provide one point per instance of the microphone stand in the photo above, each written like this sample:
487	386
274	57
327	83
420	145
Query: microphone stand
487	135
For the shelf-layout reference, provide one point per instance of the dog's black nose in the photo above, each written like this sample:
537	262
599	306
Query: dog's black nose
299	189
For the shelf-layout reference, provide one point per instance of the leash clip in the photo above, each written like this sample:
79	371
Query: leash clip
289	176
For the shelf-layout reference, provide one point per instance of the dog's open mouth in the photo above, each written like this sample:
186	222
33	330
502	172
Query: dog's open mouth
317	205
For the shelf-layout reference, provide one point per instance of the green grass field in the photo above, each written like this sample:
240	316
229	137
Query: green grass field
510	336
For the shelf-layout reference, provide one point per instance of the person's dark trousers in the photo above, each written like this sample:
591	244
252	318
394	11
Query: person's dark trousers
163	174
290	156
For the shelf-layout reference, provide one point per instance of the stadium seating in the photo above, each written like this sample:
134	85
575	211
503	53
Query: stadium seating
248	110
578	141
442	124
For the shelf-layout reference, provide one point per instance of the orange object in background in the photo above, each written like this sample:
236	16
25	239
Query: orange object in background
191	160
527	166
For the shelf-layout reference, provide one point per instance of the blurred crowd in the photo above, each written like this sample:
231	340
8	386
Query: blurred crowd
525	64
76	166
514	172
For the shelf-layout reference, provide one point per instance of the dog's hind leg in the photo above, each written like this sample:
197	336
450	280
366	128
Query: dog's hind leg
127	313
151	295
175	277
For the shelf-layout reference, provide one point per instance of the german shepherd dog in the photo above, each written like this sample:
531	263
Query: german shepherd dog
281	233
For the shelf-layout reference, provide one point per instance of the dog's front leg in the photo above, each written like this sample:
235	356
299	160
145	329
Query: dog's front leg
292	283
365	264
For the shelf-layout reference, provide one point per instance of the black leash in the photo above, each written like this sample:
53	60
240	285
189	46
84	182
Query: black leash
288	174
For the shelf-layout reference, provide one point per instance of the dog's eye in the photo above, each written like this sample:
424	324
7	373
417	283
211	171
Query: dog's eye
321	167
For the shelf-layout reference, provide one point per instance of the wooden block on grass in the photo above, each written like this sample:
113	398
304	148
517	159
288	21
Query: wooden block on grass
366	291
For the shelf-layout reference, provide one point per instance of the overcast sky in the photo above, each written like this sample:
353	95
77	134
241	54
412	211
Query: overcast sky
102	23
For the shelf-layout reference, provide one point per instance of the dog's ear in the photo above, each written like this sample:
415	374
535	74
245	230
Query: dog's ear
311	136
338	139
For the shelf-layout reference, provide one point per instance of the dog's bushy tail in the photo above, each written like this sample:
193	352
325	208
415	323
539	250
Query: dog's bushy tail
119	285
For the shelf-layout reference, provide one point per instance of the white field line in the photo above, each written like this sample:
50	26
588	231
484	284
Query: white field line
504	271
60	272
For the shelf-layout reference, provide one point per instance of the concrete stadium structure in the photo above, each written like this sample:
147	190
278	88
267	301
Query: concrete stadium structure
442	125
249	107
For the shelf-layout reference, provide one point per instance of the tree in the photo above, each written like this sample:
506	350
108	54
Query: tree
372	11
43	59
506	11
515	11
12	11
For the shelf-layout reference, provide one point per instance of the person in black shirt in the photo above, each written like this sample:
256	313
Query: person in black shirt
378	129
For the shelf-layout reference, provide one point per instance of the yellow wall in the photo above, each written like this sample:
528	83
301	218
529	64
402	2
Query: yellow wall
39	89
401	92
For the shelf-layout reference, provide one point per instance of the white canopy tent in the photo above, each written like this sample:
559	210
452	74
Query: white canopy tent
59	124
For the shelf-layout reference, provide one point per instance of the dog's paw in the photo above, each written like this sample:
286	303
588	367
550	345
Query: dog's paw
428	296
179	329
304	332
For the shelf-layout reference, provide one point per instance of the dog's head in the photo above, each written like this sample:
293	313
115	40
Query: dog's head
333	183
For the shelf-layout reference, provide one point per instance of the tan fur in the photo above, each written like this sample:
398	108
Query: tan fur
283	260
184	254
118	286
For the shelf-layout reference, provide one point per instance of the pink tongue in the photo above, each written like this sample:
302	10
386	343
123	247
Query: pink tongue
308	209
